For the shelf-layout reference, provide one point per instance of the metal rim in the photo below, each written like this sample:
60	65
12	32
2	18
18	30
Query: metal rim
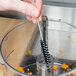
4	61
14	70
59	20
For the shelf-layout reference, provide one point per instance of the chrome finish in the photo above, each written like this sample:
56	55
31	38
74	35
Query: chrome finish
65	14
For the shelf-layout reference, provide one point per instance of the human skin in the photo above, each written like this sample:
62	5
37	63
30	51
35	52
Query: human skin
24	6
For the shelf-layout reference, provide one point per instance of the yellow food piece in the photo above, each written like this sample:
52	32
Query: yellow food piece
68	36
55	67
63	71
20	69
28	69
61	52
30	73
55	72
74	73
68	69
29	52
64	66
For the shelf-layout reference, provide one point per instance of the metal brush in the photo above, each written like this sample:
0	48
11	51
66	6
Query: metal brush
44	46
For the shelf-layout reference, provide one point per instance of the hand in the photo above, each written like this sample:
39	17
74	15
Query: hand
24	6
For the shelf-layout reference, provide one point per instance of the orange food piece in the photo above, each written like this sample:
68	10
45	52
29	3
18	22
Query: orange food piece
20	69
30	73
64	66
55	72
28	69
68	69
61	52
29	52
55	67
63	71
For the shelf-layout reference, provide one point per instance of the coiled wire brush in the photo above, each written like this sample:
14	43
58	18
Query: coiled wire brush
48	58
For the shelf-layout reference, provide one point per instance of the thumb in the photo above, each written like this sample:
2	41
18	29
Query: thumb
26	8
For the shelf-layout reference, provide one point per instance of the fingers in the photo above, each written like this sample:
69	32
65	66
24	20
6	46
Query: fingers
30	1
29	18
40	17
34	20
39	4
26	8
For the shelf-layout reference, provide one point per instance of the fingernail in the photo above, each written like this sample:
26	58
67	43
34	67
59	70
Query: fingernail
34	22
40	19
35	14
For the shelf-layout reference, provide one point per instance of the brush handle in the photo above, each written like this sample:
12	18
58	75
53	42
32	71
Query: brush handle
38	24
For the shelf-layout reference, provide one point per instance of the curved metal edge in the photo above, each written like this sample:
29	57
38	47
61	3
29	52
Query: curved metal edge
4	61
59	20
1	60
14	70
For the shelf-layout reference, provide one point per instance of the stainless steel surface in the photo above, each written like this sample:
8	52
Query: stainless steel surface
64	14
61	37
61	4
63	1
67	14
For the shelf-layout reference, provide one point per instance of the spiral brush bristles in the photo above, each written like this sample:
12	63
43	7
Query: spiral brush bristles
48	58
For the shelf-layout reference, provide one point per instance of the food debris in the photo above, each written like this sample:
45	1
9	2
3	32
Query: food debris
63	71
55	72
68	36
28	69
29	52
61	51
64	66
30	73
68	69
55	67
20	69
